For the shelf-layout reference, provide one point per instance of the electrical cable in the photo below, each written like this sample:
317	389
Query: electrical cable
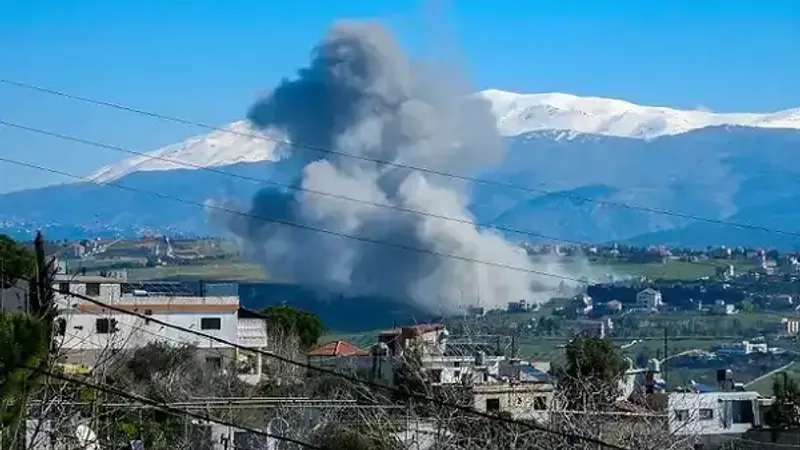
470	179
353	379
297	225
167	408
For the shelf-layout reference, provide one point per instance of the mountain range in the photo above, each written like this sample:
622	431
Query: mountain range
587	169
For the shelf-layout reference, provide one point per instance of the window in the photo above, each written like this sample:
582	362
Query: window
210	323
457	364
682	415
147	312
105	326
539	403
457	375
706	414
742	411
492	404
93	289
63	287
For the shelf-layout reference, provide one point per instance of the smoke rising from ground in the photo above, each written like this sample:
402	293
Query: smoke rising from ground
360	95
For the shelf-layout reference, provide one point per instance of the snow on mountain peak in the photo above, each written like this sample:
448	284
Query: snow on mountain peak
521	113
235	143
566	115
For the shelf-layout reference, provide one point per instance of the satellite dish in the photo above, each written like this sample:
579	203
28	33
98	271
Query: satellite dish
87	439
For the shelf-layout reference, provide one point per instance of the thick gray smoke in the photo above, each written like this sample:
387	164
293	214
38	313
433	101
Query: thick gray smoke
360	95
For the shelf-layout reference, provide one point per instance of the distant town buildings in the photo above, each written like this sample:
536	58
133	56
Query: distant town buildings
518	306
792	326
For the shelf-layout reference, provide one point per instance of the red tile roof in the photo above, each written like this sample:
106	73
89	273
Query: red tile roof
337	348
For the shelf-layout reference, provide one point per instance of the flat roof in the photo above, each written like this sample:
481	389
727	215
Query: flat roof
66	278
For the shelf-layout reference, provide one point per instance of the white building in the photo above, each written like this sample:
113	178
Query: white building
723	309
87	332
792	326
712	413
649	299
742	348
442	370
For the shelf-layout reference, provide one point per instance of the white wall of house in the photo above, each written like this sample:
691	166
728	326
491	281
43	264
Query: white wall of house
712	413
252	332
452	369
530	401
84	330
109	290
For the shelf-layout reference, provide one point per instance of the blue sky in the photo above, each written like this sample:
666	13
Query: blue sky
207	60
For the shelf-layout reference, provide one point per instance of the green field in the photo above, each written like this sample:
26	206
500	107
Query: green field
675	270
216	270
764	385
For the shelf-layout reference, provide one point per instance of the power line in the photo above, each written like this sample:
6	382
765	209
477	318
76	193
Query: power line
167	408
392	163
334	373
274	183
299	188
295	224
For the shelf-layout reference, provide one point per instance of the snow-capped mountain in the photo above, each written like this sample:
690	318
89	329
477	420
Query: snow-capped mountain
565	114
736	167
235	143
521	113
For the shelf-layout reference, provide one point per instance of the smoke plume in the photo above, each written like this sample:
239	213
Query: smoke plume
361	96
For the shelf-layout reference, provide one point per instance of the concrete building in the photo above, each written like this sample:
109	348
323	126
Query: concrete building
444	370
428	338
723	309
87	332
712	413
792	326
742	348
649	299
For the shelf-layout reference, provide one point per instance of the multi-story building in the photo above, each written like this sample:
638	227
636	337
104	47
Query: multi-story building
87	332
649	299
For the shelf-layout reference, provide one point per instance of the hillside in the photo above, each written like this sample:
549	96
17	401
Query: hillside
574	185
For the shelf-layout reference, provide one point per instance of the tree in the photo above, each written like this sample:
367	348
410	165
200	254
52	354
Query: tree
785	412
340	437
16	261
290	320
590	378
42	297
746	306
23	347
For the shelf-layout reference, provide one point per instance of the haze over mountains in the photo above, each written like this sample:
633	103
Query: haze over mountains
735	167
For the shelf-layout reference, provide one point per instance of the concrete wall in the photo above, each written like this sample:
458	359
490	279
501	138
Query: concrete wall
453	368
718	403
518	399
81	330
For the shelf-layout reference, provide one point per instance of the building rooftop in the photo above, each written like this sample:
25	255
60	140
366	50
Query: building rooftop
414	330
66	278
337	348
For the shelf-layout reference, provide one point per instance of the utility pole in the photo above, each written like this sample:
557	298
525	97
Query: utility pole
666	353
514	331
